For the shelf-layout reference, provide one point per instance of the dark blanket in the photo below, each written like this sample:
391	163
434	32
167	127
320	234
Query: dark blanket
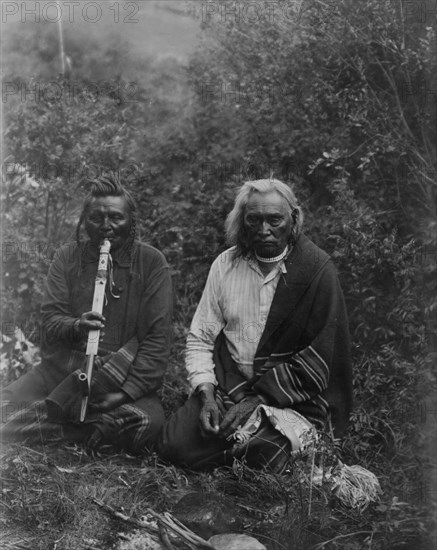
133	426
303	358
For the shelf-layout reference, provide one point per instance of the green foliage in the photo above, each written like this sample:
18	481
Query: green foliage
279	92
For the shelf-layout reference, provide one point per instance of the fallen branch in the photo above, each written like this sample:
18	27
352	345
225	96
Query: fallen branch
323	544
179	528
164	520
165	539
125	518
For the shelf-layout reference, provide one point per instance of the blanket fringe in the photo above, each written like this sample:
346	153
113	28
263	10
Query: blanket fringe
355	486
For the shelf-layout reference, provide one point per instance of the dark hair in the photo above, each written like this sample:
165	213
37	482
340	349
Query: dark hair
109	185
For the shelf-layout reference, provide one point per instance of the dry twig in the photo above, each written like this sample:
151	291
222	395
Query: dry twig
165	539
164	520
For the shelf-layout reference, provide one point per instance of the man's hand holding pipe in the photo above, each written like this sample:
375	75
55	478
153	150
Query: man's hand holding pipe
91	320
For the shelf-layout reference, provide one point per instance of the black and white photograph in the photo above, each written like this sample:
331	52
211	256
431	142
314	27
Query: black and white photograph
219	275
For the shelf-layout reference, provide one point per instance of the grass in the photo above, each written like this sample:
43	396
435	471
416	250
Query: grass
49	490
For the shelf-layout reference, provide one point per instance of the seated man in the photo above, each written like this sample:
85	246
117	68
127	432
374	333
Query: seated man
134	339
268	350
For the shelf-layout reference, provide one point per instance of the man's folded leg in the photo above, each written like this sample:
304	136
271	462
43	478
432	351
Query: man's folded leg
22	406
133	426
181	441
30	387
267	449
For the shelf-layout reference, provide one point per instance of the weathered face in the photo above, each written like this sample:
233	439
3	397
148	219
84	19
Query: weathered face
108	218
267	221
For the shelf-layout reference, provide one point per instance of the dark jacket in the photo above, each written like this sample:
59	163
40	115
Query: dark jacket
143	310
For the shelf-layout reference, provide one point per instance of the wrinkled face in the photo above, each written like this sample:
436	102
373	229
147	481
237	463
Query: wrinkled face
110	218
268	223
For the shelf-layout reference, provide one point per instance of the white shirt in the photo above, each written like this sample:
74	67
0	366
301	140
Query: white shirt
236	299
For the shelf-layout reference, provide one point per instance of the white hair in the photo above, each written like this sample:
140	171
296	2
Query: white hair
235	230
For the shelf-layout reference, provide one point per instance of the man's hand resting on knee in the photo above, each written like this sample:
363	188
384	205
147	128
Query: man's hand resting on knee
210	412
109	401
